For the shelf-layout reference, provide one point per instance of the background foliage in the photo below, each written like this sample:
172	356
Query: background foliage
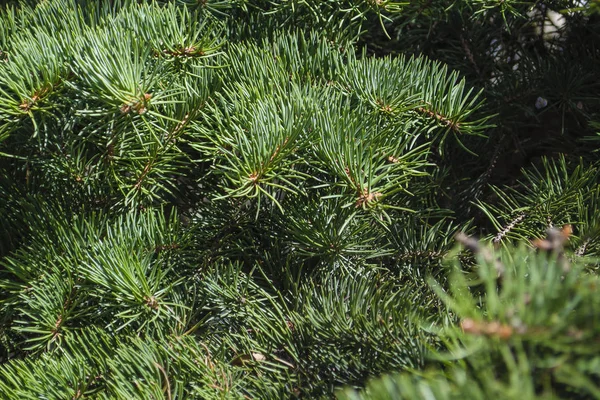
260	199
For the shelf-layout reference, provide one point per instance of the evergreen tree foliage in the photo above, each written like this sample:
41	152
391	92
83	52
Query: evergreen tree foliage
279	199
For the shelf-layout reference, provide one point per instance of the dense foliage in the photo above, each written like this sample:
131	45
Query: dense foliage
276	199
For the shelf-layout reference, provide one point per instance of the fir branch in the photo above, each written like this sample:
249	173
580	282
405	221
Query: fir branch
469	54
454	126
580	251
501	234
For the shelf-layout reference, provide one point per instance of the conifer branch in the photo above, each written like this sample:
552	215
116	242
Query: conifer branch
329	260
502	233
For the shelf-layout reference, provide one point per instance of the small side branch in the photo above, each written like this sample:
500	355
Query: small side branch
455	126
581	249
469	54
508	228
